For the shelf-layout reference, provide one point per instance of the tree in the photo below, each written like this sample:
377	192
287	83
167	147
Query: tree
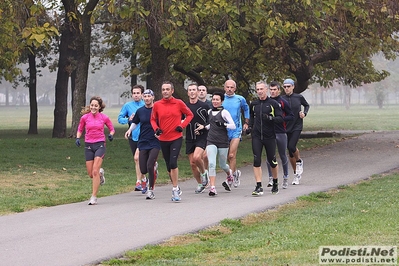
9	46
209	41
74	59
31	33
36	35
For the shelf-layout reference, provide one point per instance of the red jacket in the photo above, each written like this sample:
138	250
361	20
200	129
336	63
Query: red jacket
167	114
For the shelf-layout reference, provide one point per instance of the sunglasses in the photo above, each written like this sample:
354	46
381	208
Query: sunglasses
288	86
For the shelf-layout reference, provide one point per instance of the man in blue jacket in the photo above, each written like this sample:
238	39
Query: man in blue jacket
125	117
235	104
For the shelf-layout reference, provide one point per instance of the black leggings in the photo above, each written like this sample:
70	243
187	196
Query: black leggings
147	160
270	147
171	151
292	141
133	146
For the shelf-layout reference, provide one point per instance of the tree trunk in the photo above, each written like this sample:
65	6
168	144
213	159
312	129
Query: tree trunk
159	56
7	97
133	65
74	56
82	72
32	94
65	67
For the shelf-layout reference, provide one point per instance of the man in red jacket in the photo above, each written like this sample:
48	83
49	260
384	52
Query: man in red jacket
166	120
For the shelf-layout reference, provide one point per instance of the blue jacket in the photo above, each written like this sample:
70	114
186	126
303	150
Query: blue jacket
127	110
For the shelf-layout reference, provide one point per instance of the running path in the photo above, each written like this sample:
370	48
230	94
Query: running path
78	234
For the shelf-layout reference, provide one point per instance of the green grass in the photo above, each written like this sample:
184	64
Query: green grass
358	215
361	117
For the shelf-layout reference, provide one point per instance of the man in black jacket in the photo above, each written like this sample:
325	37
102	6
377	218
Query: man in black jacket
294	127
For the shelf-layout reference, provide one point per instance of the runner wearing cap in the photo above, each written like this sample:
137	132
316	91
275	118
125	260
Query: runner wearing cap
295	126
148	145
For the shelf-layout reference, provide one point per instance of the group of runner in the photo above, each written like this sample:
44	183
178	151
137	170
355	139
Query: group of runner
213	130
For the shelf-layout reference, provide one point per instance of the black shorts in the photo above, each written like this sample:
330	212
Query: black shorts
191	145
94	150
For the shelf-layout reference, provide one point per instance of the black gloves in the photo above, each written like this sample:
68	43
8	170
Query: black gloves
158	132
110	137
220	124
179	129
267	117
77	142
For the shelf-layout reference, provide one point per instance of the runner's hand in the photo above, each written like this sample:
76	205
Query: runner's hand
220	124
267	117
158	132
77	142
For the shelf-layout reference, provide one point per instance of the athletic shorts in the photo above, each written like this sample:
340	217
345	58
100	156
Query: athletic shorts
234	133
96	149
190	146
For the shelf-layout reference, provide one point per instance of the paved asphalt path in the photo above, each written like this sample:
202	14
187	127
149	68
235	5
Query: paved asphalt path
78	234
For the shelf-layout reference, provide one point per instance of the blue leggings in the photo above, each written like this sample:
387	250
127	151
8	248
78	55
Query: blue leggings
212	151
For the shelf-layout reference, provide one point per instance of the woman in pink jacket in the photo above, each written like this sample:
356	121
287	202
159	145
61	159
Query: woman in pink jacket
93	121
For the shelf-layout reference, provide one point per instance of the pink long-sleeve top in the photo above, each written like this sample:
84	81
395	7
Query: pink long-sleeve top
94	125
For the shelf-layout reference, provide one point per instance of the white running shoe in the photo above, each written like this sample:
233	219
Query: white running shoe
296	179
236	178
102	177
212	192
150	195
285	183
270	184
200	189
299	167
205	179
93	200
176	195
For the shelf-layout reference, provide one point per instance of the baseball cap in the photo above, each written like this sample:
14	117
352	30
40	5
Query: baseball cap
289	81
148	91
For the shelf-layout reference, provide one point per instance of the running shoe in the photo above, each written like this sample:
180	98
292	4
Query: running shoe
93	200
236	176
230	179
144	190
299	167
200	189
102	177
296	179
275	188
150	195
144	182
212	192
176	195
258	191
138	187
205	179
270	184
227	185
285	182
